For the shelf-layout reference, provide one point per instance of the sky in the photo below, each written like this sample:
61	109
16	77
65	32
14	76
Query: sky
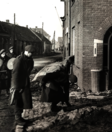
33	13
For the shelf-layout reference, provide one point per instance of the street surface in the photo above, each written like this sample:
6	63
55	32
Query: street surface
90	112
6	111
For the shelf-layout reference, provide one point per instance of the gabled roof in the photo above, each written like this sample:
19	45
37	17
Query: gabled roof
21	33
44	32
39	30
40	36
44	38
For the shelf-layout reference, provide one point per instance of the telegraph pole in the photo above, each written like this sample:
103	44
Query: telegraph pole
62	34
42	29
54	40
14	32
42	37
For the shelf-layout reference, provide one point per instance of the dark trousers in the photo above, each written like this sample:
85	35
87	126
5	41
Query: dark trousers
18	108
5	84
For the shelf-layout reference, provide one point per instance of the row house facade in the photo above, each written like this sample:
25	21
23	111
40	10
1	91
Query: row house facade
59	44
18	37
47	45
41	31
87	34
60	41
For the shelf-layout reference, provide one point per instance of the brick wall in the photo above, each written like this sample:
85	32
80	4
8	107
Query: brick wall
91	20
77	23
96	21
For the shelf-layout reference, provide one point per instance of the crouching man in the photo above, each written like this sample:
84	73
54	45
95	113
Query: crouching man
22	67
55	86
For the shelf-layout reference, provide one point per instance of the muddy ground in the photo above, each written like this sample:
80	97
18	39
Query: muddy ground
97	120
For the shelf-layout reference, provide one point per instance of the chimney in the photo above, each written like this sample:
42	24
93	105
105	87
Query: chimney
7	21
26	26
36	29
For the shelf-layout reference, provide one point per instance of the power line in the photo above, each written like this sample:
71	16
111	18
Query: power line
58	17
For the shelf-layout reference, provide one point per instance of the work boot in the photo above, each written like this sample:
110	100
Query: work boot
7	93
19	120
27	121
55	108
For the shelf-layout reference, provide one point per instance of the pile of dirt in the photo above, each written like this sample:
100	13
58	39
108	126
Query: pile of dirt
97	121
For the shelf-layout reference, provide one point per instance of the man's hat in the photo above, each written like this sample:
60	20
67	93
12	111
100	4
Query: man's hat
71	59
29	48
11	48
1	51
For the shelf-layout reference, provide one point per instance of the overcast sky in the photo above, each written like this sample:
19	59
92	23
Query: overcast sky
33	13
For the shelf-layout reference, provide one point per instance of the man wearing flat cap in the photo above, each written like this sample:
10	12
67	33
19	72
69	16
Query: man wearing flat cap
10	52
4	72
23	64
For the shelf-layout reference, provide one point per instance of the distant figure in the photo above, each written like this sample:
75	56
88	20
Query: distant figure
22	67
10	53
4	72
55	85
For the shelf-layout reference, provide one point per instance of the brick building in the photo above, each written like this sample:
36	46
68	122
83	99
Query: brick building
42	31
87	34
47	45
60	41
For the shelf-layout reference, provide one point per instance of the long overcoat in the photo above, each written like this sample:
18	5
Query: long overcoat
4	74
57	89
10	55
20	80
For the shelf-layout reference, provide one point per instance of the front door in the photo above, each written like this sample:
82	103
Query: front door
109	62
107	59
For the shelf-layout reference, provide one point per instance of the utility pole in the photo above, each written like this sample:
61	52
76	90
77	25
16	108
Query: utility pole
62	34
54	40
14	32
42	38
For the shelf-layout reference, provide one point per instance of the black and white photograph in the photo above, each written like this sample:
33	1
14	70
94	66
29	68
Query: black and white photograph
55	66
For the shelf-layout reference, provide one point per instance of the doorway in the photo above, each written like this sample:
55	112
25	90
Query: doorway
109	62
107	59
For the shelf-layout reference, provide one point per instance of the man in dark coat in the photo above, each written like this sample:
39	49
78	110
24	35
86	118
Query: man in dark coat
10	53
56	85
22	67
4	72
